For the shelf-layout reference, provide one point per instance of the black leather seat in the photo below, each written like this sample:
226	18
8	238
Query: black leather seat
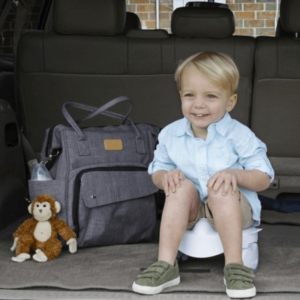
132	21
89	59
276	103
280	31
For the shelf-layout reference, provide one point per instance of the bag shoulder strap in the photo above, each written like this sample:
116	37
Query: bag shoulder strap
82	143
95	112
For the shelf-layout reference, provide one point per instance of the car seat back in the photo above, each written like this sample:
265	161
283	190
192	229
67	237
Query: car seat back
276	105
88	58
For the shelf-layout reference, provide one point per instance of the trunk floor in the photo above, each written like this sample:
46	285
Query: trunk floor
104	295
108	272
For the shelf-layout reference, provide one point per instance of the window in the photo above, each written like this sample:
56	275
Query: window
252	17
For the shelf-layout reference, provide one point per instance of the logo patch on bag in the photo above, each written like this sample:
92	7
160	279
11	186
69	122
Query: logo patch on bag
113	144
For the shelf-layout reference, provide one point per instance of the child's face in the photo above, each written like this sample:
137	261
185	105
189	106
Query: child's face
203	103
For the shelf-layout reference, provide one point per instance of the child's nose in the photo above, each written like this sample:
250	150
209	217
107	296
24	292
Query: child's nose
199	103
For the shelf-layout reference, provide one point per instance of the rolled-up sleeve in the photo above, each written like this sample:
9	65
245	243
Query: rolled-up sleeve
253	155
161	160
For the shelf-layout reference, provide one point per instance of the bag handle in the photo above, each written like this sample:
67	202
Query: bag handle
82	142
95	111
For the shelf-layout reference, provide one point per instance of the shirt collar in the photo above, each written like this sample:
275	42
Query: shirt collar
221	126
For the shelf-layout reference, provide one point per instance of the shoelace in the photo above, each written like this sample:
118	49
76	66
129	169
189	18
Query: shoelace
239	274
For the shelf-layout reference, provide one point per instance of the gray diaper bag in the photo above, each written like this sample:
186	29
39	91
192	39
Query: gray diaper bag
99	175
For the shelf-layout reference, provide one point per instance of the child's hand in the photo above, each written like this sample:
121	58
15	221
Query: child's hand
171	181
226	179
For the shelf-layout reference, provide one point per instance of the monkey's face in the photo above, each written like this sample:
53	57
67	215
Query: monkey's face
42	211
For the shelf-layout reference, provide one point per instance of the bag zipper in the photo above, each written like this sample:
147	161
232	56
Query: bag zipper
77	187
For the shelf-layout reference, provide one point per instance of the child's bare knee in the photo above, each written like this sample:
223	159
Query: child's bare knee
186	193
188	188
188	184
216	200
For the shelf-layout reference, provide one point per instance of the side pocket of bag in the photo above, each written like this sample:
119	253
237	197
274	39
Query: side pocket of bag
55	188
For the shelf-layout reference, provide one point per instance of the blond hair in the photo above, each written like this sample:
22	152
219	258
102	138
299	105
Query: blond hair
219	68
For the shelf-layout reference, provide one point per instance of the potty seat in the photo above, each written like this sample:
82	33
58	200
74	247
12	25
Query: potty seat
204	241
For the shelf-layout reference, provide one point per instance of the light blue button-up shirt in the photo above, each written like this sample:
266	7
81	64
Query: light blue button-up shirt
229	145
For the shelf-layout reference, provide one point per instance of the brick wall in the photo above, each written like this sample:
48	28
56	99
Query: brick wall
253	17
256	17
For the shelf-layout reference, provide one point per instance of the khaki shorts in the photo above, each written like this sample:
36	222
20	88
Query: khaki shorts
204	212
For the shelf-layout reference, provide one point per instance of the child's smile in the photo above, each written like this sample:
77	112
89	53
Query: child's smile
203	103
201	115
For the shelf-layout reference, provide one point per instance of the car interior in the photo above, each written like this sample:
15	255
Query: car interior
104	53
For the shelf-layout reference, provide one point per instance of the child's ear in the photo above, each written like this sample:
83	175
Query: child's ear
231	102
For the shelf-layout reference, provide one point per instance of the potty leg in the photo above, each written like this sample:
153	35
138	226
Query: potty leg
250	256
181	256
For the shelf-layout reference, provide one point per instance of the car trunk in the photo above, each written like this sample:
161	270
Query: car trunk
108	272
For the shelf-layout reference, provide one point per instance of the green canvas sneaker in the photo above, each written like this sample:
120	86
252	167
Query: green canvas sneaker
239	281
157	277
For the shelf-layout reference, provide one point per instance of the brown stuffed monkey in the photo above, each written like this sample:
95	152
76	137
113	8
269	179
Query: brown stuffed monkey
39	233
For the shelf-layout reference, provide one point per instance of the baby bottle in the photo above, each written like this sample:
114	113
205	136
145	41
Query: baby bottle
40	173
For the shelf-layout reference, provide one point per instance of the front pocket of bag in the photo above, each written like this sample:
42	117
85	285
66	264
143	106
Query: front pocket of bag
55	188
114	206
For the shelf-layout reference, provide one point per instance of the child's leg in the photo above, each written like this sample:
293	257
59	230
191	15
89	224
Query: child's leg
227	217
232	213
180	208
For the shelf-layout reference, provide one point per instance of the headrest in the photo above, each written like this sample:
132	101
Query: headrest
89	17
132	22
148	34
202	22
280	32
290	15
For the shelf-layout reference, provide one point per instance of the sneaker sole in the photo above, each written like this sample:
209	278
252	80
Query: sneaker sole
240	293
148	290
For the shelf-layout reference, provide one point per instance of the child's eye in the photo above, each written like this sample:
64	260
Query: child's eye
211	96
189	95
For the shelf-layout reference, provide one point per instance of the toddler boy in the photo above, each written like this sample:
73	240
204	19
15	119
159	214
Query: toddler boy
210	166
